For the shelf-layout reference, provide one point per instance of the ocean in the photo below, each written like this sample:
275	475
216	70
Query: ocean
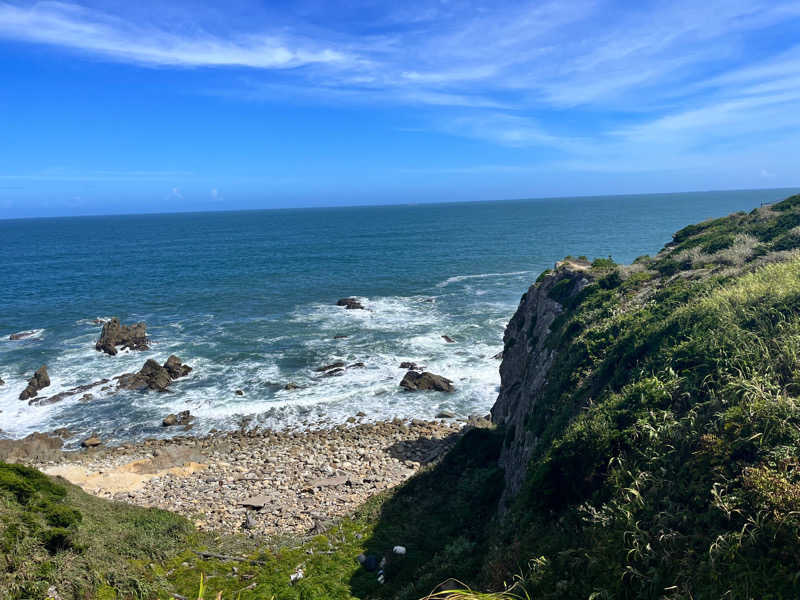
248	299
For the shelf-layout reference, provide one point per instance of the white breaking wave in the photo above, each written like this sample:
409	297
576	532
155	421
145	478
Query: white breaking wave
458	278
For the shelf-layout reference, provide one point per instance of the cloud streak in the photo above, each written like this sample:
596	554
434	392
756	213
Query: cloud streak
79	28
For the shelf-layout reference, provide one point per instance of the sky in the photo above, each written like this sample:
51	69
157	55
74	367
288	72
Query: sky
116	106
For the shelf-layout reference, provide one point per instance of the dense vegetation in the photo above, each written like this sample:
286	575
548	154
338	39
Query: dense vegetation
668	462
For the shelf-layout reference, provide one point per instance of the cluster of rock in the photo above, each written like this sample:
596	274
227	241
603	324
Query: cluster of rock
70	392
128	337
337	368
350	303
264	481
154	376
39	381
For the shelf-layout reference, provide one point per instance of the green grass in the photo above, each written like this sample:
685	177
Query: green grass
51	533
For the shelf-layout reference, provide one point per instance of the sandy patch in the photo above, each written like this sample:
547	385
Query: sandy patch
126	478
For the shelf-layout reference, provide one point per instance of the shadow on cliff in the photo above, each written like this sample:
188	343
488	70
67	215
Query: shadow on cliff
422	450
441	517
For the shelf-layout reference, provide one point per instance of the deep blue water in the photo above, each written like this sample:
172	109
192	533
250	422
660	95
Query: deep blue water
247	299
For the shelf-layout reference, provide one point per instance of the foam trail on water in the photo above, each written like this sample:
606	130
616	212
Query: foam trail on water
459	278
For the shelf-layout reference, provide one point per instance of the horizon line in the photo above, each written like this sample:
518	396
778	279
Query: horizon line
395	204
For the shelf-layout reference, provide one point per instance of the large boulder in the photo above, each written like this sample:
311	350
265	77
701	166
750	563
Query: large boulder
416	382
153	375
349	303
130	337
39	380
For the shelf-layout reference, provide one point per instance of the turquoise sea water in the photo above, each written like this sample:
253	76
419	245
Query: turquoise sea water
248	300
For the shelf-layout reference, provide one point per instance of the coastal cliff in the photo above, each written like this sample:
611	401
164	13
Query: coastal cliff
527	358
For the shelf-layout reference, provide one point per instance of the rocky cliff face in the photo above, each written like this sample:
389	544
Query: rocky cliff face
527	358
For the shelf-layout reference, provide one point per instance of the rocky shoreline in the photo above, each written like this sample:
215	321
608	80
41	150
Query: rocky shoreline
259	482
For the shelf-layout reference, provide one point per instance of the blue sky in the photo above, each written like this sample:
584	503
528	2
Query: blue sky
110	107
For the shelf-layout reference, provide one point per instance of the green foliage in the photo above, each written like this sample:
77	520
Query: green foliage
666	462
603	263
52	534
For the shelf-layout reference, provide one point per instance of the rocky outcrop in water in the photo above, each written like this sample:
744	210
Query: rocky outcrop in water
349	303
182	418
526	362
411	366
71	392
39	380
22	335
154	376
416	382
128	337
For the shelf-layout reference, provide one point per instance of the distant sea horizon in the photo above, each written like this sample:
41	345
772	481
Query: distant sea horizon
787	190
248	299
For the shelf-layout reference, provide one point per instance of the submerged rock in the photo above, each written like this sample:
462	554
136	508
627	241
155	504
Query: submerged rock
337	365
39	380
349	303
448	339
415	382
71	392
22	335
131	337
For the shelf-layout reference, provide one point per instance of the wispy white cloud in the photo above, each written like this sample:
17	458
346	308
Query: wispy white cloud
79	28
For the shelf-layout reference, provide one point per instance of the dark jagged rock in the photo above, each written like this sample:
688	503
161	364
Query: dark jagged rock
71	392
337	365
340	337
39	380
349	303
21	335
357	365
333	373
291	386
2	382
154	376
415	382
182	418
239	392
448	339
411	366
131	337
498	356
175	368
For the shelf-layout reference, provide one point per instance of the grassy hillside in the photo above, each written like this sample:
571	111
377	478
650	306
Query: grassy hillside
667	462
